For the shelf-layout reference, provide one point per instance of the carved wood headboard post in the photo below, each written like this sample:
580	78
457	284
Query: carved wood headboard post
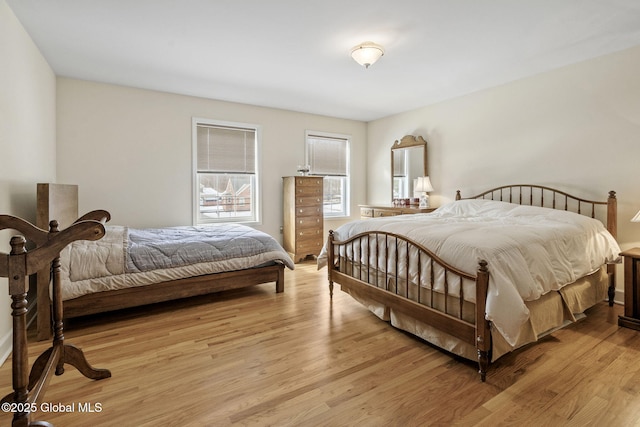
330	264
612	226
612	214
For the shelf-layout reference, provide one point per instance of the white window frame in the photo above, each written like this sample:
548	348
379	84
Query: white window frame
346	202
257	197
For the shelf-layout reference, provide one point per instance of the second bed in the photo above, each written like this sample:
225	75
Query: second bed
131	267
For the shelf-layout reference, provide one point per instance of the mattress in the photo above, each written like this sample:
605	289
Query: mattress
127	257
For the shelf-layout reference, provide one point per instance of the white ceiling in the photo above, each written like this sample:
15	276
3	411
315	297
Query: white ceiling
294	54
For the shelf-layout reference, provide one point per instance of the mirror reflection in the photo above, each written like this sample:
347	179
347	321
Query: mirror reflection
408	162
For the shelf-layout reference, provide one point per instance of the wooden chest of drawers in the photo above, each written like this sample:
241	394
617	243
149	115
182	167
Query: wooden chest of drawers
303	216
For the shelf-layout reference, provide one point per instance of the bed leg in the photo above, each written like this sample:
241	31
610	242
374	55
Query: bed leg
483	364
611	271
612	294
280	280
330	261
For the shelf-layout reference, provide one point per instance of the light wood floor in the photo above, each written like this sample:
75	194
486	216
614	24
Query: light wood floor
254	357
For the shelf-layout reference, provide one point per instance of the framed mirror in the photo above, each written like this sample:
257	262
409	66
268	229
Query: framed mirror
408	162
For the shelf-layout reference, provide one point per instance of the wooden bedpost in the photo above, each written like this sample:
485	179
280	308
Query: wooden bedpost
330	265
612	226
483	332
280	279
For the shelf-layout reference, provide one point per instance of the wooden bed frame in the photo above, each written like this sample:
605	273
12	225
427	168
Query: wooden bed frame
60	202
362	280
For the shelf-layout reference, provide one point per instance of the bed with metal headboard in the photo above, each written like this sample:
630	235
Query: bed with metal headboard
483	275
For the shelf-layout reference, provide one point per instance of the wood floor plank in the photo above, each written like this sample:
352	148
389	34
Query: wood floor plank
252	357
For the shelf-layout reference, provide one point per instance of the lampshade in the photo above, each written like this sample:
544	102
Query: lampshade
423	184
636	218
367	53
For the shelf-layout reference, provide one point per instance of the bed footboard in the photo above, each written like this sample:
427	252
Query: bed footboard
405	276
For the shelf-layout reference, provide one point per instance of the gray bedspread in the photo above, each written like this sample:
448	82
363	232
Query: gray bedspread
156	248
127	257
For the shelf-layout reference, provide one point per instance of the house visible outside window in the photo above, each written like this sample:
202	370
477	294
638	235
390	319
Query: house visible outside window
226	178
328	155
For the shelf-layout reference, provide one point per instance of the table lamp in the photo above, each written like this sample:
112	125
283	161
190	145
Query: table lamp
423	186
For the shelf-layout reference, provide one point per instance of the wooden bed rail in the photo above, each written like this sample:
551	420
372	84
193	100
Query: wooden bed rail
415	281
29	387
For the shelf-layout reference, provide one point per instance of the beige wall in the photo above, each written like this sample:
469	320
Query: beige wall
27	136
577	128
130	151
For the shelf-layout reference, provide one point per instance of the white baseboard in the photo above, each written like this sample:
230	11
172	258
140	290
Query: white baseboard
6	345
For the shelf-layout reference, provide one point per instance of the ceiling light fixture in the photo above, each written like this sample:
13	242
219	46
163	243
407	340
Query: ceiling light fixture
367	53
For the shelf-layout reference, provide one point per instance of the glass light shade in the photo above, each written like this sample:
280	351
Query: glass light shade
367	53
636	218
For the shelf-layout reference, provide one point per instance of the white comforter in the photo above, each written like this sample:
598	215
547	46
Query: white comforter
529	250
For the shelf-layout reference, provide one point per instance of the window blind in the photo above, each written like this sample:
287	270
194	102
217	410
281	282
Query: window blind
226	149
327	156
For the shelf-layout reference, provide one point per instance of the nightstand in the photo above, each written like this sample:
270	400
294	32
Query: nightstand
631	318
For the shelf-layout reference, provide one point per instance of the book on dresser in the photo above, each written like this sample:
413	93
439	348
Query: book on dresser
303	228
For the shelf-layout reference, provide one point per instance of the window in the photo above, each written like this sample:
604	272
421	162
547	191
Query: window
400	174
226	179
328	156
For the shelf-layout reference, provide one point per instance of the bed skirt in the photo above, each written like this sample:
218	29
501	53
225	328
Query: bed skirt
552	311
